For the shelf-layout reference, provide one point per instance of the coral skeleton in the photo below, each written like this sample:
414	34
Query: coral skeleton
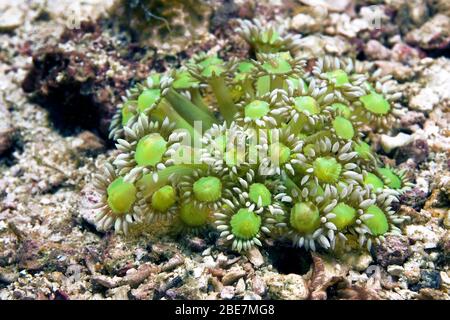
282	150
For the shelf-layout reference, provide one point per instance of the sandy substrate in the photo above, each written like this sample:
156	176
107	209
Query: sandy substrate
49	249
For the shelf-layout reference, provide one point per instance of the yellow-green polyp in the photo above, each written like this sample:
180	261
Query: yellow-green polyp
121	196
127	113
279	152
164	198
193	216
391	179
342	109
259	193
345	216
308	104
277	65
327	169
257	109
375	103
374	181
150	150
363	150
338	76
147	98
245	224
343	128
208	189
305	217
378	223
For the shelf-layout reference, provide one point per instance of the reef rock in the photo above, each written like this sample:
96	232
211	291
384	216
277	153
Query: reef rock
286	287
395	250
435	34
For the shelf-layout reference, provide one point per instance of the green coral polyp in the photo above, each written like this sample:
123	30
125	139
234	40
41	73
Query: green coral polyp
257	109
245	224
304	217
213	71
378	223
375	103
343	127
284	150
390	178
308	104
372	180
127	112
327	169
121	196
344	110
150	150
345	216
364	150
148	98
277	65
280	152
164	198
339	77
184	80
260	195
208	189
193	216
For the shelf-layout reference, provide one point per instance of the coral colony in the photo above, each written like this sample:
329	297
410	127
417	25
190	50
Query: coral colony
258	148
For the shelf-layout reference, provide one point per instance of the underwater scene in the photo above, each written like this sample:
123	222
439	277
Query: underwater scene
225	150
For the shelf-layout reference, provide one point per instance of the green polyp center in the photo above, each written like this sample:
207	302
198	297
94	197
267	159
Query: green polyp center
121	196
363	150
343	127
392	180
307	149
213	71
154	80
257	109
193	216
339	77
375	103
277	65
297	82
308	104
305	217
245	224
342	109
279	150
184	80
127	113
150	150
270	37
374	181
378	223
245	67
164	198
327	169
210	61
208	189
259	194
147	98
345	215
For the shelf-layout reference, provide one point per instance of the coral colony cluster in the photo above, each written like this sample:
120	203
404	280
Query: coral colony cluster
266	147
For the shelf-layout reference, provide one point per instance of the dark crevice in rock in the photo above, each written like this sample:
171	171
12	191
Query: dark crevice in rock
287	259
80	88
7	157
